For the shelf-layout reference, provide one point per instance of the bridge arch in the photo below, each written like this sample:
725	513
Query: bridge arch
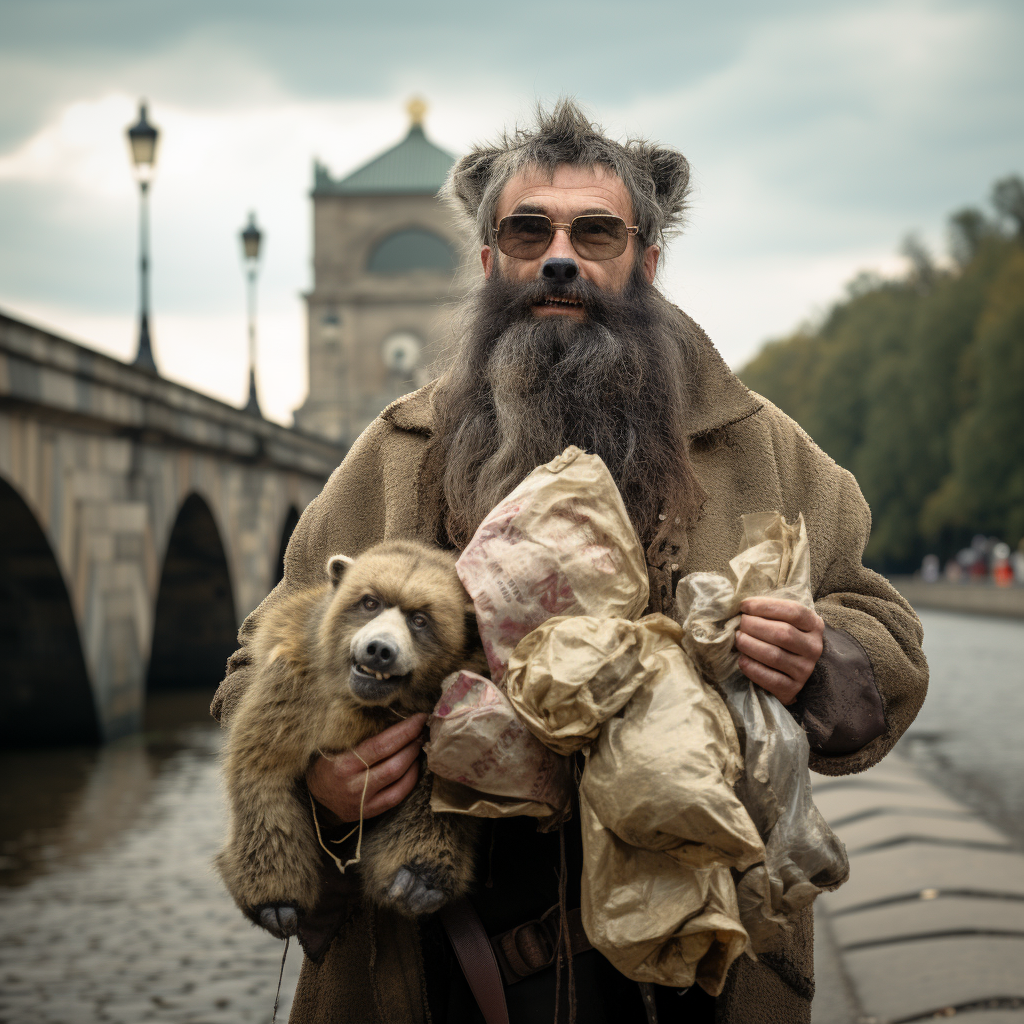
45	695
291	520
194	625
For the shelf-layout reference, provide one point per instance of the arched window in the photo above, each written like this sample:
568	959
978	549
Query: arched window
412	249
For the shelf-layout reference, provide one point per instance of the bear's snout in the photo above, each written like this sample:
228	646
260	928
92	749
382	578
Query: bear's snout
379	653
382	655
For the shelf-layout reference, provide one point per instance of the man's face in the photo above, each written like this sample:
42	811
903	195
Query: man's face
570	192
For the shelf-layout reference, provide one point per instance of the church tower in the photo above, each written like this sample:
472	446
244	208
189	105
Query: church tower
385	256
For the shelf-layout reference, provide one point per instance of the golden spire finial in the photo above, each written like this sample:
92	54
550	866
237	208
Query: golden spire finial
417	109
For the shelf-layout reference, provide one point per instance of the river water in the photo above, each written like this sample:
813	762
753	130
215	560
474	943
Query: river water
109	909
110	912
969	736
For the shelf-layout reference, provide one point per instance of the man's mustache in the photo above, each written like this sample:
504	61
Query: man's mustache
517	298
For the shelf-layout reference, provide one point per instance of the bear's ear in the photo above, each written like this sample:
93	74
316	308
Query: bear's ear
336	566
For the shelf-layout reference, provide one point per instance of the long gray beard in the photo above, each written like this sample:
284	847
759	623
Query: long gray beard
522	388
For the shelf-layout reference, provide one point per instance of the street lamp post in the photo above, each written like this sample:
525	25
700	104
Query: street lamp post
142	138
251	238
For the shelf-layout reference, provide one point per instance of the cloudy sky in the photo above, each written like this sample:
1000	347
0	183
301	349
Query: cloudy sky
820	133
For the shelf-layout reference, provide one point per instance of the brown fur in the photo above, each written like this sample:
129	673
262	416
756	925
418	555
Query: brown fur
302	702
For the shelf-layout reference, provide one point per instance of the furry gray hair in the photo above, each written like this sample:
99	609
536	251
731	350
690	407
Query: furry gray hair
657	178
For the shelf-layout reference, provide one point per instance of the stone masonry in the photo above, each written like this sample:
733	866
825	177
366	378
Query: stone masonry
104	456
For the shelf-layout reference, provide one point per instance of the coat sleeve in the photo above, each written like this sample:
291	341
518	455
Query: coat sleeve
872	641
347	517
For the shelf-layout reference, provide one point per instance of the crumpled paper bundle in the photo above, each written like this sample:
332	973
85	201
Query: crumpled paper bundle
803	855
560	544
557	540
662	827
486	762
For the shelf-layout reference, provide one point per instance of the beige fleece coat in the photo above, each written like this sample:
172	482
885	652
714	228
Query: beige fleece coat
750	457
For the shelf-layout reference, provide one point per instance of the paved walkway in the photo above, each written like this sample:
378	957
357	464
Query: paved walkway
931	923
139	929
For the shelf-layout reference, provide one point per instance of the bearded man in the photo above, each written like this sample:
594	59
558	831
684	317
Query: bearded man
569	342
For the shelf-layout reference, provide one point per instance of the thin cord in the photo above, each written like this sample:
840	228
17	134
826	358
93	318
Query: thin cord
358	828
371	914
490	855
280	978
564	942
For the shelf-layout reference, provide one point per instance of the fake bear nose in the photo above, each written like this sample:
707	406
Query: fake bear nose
560	270
379	654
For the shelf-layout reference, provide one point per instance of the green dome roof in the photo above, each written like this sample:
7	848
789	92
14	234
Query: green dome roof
414	167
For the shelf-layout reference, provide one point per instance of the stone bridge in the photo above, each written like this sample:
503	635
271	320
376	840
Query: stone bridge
141	522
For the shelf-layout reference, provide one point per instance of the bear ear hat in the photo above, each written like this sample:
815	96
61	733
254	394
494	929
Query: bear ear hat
336	566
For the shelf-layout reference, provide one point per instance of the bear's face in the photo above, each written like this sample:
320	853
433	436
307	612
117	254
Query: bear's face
397	623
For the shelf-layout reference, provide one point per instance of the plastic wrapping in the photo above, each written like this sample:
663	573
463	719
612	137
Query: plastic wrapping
662	827
803	855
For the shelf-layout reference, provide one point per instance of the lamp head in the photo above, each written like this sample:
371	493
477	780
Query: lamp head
251	238
142	137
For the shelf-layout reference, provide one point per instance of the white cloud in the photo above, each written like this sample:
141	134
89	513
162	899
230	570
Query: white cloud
817	141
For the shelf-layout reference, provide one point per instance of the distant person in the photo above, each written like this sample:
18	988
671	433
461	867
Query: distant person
569	341
1002	568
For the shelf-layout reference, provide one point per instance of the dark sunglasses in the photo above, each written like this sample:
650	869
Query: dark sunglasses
594	236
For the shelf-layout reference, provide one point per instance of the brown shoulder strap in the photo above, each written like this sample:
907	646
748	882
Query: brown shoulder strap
476	958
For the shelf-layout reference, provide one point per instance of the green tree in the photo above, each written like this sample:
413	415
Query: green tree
1008	199
916	385
984	489
967	229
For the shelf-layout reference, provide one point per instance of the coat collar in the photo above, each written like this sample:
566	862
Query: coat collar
413	411
717	396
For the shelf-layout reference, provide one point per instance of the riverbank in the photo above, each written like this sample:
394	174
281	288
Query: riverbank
973	598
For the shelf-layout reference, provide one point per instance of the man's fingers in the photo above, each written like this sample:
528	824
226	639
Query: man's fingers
781	634
384	768
774	657
806	619
384	773
391	740
768	679
393	795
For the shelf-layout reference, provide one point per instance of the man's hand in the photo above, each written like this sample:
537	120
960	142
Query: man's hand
337	781
779	644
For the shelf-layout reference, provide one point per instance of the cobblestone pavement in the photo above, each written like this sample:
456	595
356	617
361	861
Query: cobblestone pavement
137	927
110	911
